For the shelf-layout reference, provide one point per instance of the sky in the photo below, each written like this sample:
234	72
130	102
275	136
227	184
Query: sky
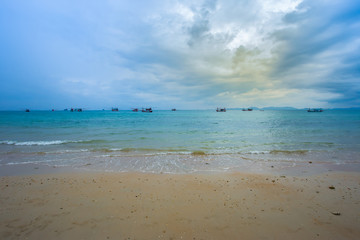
186	54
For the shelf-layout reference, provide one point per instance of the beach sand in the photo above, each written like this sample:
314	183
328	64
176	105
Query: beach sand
174	206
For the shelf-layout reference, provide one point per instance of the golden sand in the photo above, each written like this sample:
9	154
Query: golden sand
164	206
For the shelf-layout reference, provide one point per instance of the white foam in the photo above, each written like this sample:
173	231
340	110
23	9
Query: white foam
256	152
28	162
68	151
7	142
36	143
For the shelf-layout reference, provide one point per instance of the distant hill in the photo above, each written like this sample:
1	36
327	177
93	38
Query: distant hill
353	108
292	108
266	108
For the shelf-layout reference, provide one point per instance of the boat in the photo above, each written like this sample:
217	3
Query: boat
174	109
114	109
135	109
147	110
247	109
76	110
221	109
315	110
27	110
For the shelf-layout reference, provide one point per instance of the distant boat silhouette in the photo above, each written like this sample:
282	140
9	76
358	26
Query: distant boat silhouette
221	109
115	109
147	110
135	109
76	110
247	109
27	110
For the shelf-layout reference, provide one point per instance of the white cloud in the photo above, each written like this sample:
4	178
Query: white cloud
284	97
193	53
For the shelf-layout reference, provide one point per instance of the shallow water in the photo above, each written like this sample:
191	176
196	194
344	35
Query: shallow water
181	141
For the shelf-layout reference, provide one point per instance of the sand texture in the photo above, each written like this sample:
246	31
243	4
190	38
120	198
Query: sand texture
164	206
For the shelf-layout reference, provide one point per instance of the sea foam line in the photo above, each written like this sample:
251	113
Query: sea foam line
37	143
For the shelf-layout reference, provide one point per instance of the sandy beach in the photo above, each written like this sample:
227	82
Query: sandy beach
175	206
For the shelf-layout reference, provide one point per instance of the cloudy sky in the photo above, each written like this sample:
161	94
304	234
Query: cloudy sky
186	54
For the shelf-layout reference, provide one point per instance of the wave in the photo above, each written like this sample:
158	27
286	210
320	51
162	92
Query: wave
53	142
130	150
37	143
255	152
28	162
275	151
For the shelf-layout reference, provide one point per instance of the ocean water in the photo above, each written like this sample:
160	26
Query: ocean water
180	141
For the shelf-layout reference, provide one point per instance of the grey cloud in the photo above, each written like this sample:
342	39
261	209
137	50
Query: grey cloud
201	26
313	50
316	31
146	52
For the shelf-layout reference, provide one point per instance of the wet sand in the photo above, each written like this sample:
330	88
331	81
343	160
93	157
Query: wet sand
170	206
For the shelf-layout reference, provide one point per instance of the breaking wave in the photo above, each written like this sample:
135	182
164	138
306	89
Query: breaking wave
37	143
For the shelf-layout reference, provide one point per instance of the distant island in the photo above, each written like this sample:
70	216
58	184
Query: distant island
292	108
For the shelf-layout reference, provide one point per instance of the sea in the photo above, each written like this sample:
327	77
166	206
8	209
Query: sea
182	141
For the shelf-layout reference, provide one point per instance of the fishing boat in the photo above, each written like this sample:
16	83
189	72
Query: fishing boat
114	109
135	109
221	109
174	109
315	110
147	110
27	110
247	109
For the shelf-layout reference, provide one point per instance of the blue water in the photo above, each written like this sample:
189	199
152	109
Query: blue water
181	141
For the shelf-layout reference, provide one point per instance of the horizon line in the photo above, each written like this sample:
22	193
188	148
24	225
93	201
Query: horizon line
180	109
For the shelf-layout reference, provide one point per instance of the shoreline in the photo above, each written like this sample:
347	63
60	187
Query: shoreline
231	205
267	168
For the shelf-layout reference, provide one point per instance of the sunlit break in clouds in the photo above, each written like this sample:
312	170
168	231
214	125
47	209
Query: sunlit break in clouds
183	54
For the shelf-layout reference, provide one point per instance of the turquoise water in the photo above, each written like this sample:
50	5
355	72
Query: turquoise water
181	141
